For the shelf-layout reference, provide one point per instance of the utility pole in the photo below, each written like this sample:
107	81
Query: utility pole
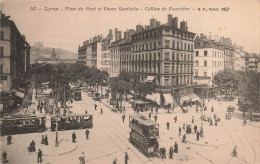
56	106
124	100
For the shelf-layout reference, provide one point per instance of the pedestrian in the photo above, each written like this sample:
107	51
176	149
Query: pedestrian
82	158
87	133
74	137
123	117
39	159
95	106
192	119
216	122
212	109
164	153
151	109
211	122
244	122
41	109
32	146
184	138
115	161
9	139
149	115
183	128
156	109
244	115
126	157
168	125
179	130
234	152
175	119
46	140
197	110
195	128
198	135
155	117
176	148
4	156
171	152
101	111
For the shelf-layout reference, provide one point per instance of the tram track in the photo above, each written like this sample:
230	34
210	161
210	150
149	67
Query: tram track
248	141
240	142
126	147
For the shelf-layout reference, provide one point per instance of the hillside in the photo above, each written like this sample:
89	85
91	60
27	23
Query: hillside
45	52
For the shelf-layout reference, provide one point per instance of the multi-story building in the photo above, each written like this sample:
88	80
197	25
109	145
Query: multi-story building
125	50
90	52
115	55
239	58
208	60
14	60
105	52
229	61
164	54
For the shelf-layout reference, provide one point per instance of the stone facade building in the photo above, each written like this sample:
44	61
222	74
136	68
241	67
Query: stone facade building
14	60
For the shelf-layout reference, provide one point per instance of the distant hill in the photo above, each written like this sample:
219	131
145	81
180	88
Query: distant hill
45	52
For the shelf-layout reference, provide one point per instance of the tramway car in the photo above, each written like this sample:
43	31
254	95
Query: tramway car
72	121
18	124
144	134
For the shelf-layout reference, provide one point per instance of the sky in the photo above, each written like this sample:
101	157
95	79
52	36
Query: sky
69	28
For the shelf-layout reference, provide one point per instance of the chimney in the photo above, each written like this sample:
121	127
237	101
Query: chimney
158	23
170	20
210	35
183	25
116	30
175	22
152	23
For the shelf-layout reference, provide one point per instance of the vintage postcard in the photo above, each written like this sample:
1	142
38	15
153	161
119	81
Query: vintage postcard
129	81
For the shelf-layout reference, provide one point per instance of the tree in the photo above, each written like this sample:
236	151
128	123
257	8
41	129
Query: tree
226	80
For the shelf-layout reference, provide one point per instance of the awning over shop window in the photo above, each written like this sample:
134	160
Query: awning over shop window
194	97
168	98
19	94
150	78
184	98
154	97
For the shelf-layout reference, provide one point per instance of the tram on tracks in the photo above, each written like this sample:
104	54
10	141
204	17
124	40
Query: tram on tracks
72	121
76	94
144	134
26	123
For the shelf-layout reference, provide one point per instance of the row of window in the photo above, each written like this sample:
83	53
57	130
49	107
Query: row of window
178	80
178	45
156	56
214	53
214	63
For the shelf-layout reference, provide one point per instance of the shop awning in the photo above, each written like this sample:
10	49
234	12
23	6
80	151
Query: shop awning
141	102
184	98
19	94
150	78
168	98
194	97
154	97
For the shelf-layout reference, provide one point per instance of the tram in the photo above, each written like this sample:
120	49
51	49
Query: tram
76	94
144	134
18	124
72	121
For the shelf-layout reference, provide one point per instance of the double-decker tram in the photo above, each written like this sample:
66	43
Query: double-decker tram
72	121
144	134
76	94
18	124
